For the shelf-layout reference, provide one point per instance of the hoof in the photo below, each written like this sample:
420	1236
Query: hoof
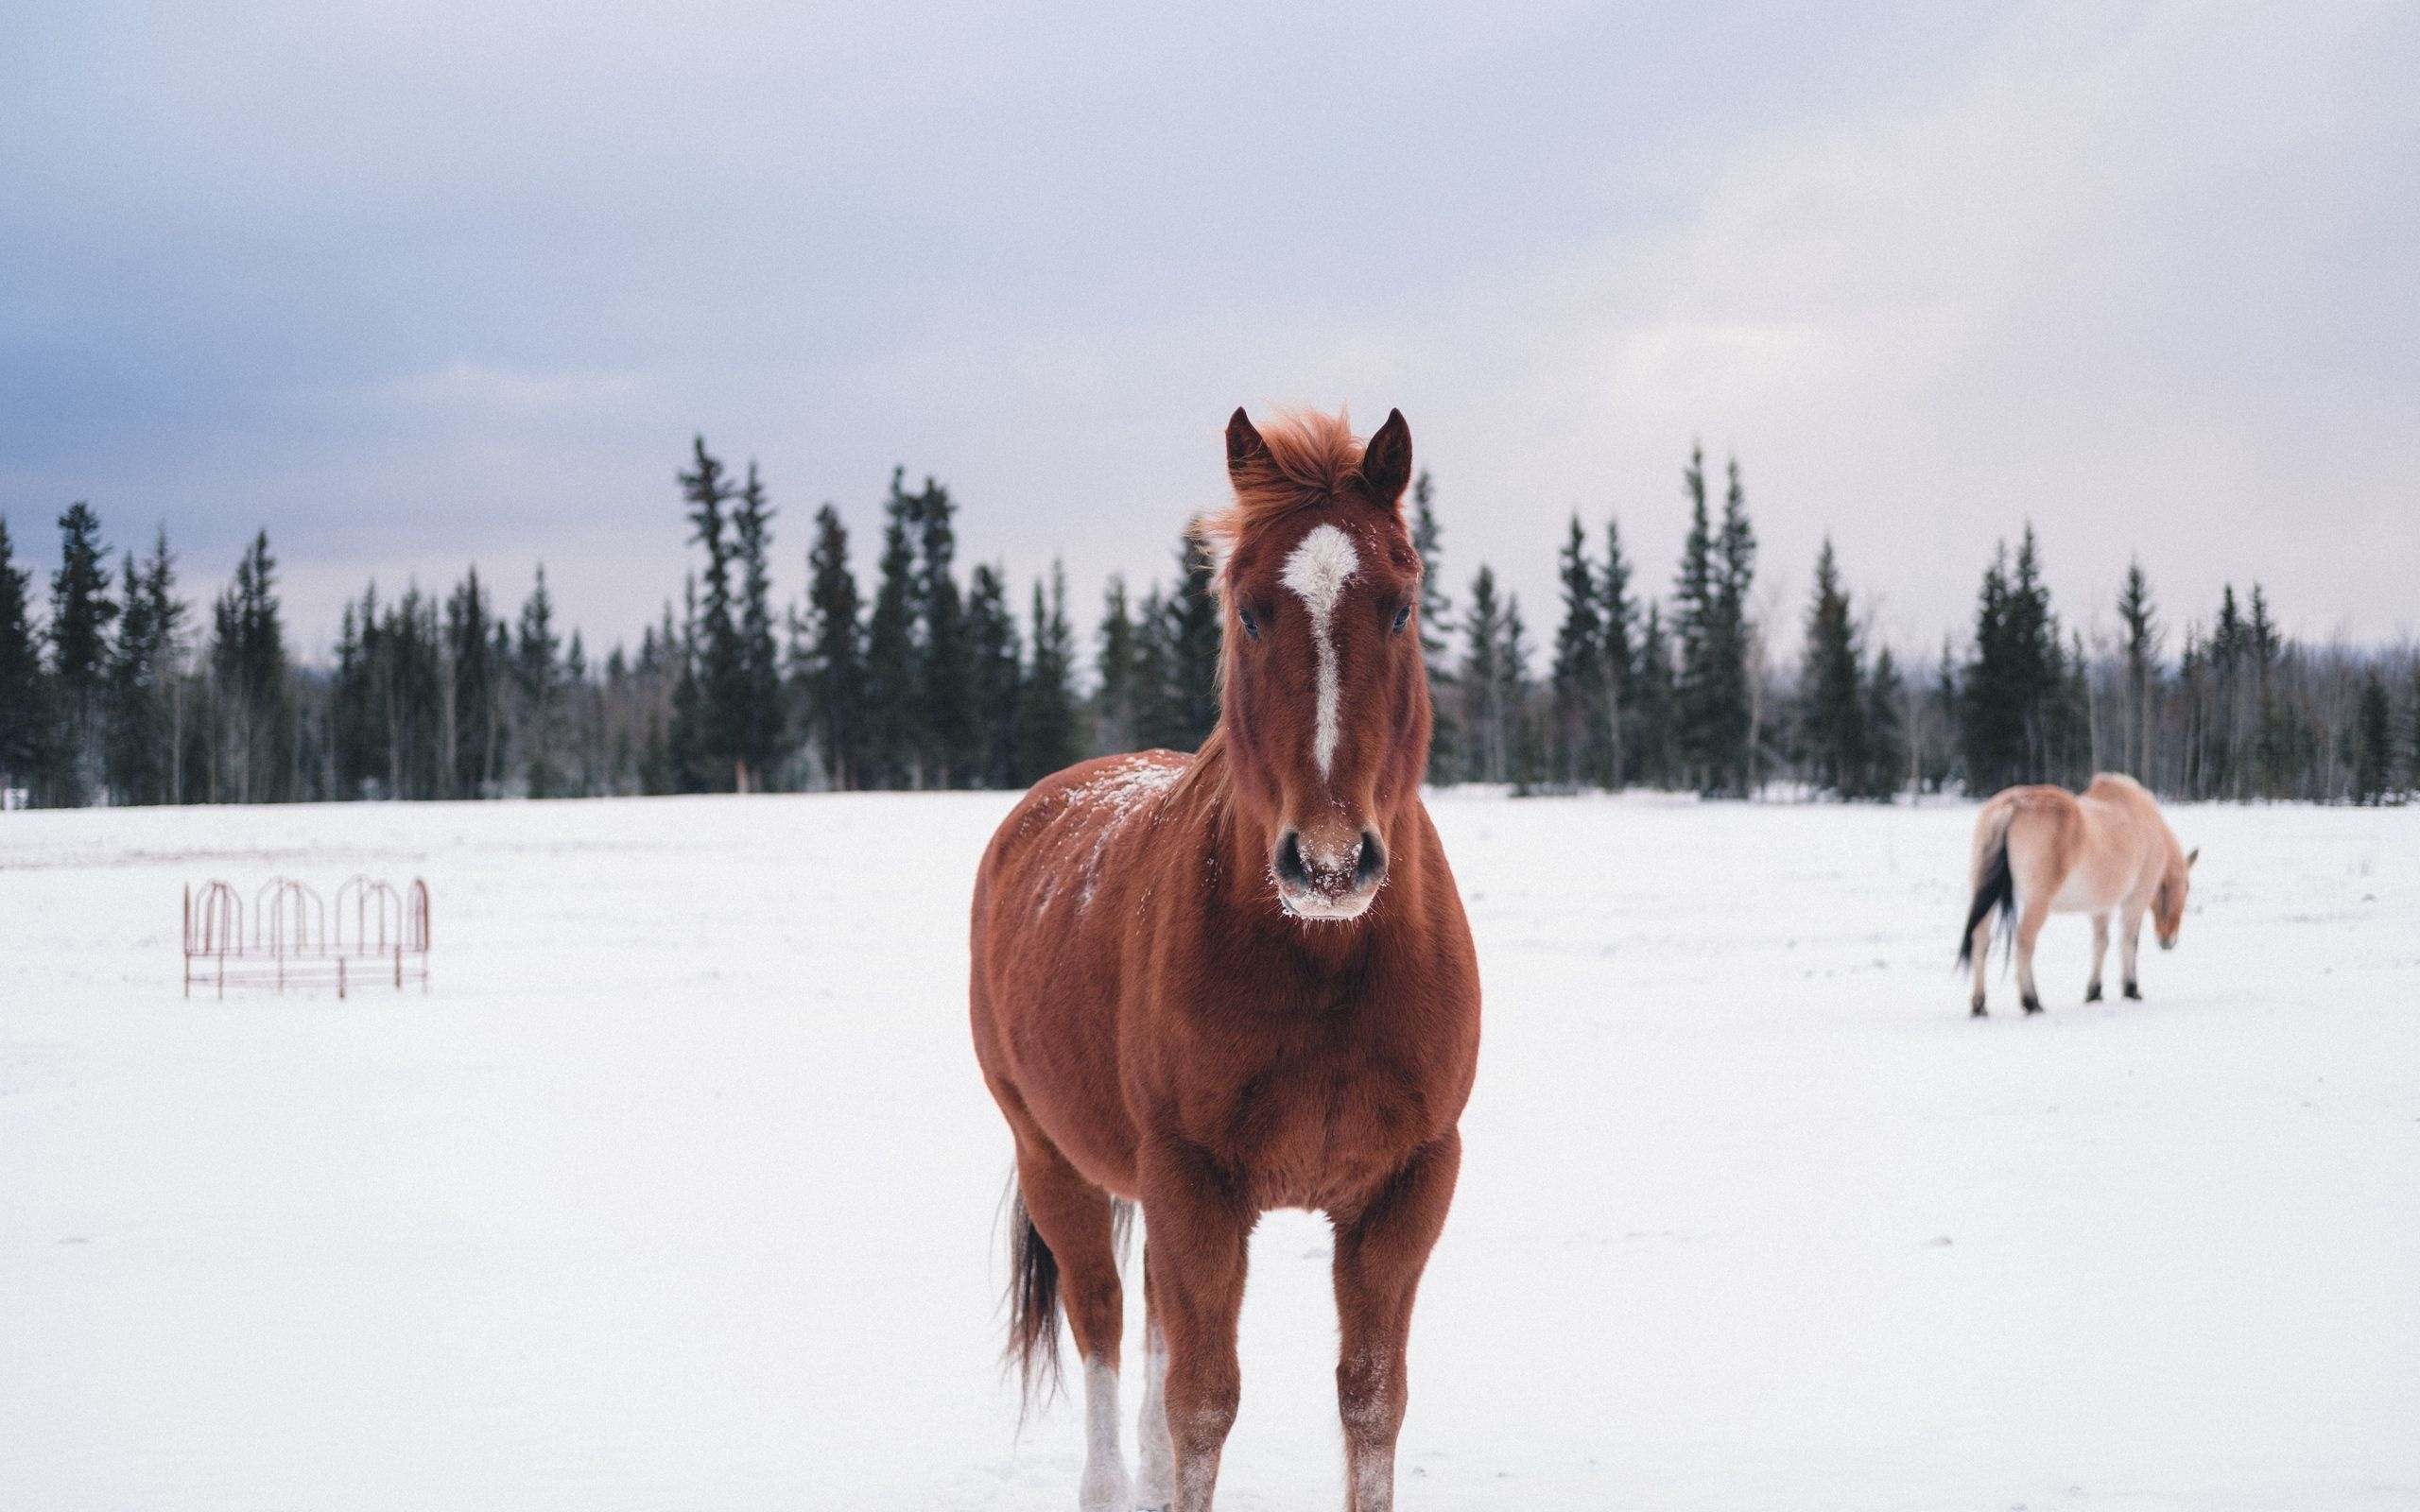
2092	994
1977	1011
2134	991
2033	1005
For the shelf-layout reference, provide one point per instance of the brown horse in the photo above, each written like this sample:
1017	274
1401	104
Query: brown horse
2044	850
1242	980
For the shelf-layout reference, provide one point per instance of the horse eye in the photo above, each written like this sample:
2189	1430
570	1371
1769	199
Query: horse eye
1403	617
1251	627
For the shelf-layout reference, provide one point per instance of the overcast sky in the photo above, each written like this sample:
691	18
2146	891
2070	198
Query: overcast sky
413	285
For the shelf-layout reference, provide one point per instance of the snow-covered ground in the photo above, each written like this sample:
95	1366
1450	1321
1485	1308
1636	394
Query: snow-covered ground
678	1190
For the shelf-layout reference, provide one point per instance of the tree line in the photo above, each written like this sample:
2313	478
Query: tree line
116	691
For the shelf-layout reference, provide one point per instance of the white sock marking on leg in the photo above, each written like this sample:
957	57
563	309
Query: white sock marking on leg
1104	1485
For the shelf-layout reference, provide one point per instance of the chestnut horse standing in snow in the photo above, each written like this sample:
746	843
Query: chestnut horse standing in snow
2044	850
1242	980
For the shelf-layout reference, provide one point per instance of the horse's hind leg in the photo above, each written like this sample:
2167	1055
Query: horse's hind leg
2099	952
2028	929
1076	1220
1982	954
1155	1471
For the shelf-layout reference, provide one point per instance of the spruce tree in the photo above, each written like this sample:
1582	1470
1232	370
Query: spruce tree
24	692
254	754
759	725
2372	742
1617	618
1577	679
1484	675
953	741
1116	701
1886	738
836	664
538	677
1046	738
1732	707
1193	635
1654	705
1697	638
2136	613
476	759
80	612
1525	757
145	666
991	626
894	724
1436	626
717	734
1834	702
1160	722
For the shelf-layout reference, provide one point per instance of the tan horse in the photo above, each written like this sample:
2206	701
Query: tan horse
2044	850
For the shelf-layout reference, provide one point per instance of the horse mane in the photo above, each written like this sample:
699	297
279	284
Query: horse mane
1313	457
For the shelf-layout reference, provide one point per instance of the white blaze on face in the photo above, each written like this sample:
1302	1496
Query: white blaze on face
1323	562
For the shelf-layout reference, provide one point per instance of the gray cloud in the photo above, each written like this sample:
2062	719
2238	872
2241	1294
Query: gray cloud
416	287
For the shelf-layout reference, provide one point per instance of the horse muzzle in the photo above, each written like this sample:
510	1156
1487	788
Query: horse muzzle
1329	882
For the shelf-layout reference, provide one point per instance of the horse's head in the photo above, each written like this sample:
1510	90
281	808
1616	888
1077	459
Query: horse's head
1326	712
2168	905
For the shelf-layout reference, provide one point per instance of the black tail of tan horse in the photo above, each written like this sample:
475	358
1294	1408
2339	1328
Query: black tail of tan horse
1996	889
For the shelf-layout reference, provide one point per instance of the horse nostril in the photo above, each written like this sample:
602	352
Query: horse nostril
1290	870
1373	862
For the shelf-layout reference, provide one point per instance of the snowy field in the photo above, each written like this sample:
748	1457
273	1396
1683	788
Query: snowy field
678	1190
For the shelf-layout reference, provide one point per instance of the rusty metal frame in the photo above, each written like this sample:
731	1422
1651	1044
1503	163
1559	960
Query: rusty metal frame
290	944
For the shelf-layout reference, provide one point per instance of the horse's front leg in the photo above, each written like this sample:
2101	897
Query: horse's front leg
1380	1252
2100	953
1196	1237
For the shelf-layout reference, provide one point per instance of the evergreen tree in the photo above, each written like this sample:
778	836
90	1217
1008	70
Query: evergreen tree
836	658
1654	712
757	721
1485	672
1436	625
2373	742
1578	678
2019	719
1833	700
894	727
1117	701
2136	613
1160	721
1732	704
953	750
1192	645
1617	616
253	757
1886	740
537	678
24	692
80	612
1525	727
716	735
144	667
478	746
1046	737
1714	703
998	676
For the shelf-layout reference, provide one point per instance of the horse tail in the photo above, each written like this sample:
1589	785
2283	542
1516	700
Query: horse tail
1034	1297
1033	1306
1994	884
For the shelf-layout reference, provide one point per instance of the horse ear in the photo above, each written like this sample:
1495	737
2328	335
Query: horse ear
1385	462
1244	445
2191	856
